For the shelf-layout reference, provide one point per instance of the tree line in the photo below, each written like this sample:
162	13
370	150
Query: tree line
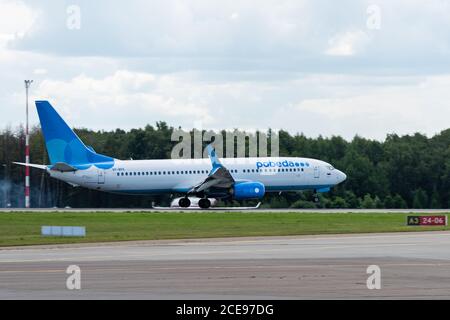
409	171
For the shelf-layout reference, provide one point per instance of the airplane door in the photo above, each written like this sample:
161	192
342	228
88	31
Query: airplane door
101	177
316	172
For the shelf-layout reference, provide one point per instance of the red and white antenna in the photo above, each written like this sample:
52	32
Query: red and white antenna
27	150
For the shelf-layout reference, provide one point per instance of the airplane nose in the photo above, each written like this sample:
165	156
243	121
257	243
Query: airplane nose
342	176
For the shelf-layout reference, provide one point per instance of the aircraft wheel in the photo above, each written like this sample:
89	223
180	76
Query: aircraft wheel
204	203
184	202
315	196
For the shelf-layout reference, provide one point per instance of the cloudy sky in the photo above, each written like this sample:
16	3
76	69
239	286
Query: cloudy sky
317	67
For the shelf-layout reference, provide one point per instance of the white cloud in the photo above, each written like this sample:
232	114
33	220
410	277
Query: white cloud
234	16
309	66
16	20
121	99
374	111
348	43
40	71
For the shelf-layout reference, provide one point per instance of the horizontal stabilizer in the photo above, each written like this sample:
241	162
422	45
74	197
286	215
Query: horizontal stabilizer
38	166
63	167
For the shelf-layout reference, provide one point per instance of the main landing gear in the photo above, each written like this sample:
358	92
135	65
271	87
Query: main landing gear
184	202
204	203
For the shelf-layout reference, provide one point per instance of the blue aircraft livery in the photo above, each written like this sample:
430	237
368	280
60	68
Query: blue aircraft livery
281	164
228	178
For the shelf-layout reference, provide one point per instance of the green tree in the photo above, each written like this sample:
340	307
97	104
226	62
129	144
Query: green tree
351	199
389	202
302	204
377	202
367	202
339	202
399	202
435	202
420	200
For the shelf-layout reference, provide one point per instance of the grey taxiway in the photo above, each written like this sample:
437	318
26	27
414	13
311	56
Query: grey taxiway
413	265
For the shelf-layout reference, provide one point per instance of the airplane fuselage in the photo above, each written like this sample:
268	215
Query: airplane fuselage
178	176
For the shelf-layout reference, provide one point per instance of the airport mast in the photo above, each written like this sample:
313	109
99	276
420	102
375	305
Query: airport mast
27	150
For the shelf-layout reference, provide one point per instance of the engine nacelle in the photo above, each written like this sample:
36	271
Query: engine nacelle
249	190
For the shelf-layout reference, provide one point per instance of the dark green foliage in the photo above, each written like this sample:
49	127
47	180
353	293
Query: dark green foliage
400	172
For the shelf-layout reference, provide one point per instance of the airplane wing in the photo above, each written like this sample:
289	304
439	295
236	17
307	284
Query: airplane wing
219	179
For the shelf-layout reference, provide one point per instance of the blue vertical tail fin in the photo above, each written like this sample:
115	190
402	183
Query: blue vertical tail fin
63	145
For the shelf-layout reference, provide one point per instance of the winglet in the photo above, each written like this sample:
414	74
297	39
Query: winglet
214	160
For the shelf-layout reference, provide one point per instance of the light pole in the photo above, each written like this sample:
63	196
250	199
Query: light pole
27	150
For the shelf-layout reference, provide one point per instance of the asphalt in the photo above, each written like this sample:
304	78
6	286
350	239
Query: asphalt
413	266
232	209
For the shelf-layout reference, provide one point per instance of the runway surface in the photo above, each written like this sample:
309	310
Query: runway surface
413	265
260	210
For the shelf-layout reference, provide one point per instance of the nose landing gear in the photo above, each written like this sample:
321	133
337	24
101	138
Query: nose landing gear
315	197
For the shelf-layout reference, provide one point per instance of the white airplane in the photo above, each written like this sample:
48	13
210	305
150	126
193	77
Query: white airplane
231	178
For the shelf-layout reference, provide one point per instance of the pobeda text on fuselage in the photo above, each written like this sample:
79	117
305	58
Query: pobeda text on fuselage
228	178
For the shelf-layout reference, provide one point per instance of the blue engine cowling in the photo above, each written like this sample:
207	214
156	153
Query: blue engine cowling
249	190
